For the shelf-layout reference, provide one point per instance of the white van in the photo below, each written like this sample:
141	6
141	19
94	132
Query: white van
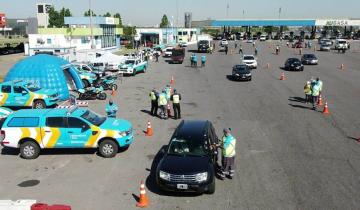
341	44
263	38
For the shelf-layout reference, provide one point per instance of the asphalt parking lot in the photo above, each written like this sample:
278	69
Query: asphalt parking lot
288	156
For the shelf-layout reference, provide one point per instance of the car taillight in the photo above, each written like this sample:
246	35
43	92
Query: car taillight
2	135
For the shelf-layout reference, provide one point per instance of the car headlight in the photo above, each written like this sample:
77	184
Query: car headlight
122	134
165	176
248	75
201	177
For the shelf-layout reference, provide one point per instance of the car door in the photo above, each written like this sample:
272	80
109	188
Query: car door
78	132
55	133
21	96
5	95
137	67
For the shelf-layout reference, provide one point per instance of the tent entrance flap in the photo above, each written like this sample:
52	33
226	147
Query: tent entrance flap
69	80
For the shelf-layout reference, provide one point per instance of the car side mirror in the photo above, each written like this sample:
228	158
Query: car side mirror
24	92
85	128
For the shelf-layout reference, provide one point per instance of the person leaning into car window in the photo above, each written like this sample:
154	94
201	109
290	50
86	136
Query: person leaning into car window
228	154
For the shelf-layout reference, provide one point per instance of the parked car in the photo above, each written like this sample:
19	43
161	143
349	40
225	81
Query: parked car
294	64
224	42
325	47
263	38
33	130
88	68
178	55
250	61
309	59
341	44
183	44
241	72
168	52
24	94
189	163
132	66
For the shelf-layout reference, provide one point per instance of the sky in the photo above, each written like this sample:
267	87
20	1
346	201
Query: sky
149	13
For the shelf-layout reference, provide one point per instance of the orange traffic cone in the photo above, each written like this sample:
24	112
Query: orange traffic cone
342	67
168	110
282	77
149	130
326	109
113	91
143	200
320	101
172	81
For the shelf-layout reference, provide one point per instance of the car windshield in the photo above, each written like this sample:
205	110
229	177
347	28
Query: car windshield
309	56
178	53
129	62
186	147
248	58
342	42
241	68
32	87
169	50
295	60
93	118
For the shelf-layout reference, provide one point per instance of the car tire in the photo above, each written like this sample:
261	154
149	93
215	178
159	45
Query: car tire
114	86
211	189
101	96
108	148
86	83
134	73
144	71
39	104
29	150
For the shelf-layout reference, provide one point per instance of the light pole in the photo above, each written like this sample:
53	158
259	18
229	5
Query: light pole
91	27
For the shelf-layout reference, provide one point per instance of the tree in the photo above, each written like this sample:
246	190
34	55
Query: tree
88	12
117	15
107	14
55	19
164	22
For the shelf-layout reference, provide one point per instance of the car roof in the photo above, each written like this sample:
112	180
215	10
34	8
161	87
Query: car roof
192	128
74	111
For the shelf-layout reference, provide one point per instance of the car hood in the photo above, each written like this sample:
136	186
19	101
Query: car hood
116	124
184	164
46	92
126	65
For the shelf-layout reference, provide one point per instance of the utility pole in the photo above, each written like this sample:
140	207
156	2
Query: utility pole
227	10
177	13
91	27
243	14
279	13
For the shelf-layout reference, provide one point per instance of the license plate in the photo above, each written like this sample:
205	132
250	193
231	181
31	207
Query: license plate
182	186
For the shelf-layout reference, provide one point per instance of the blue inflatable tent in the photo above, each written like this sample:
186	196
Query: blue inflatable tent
47	71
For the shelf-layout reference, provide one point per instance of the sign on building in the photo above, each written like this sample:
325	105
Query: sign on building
337	22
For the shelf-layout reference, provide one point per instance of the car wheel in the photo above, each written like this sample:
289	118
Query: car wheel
86	83
114	86
144	69
39	104
211	189
108	148
29	150
102	96
134	72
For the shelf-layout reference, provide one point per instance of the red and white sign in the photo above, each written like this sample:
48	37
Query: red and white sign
2	20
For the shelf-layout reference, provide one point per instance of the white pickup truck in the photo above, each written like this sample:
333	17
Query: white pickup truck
132	66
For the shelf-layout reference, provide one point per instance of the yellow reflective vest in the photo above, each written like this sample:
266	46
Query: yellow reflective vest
229	143
162	99
176	98
152	96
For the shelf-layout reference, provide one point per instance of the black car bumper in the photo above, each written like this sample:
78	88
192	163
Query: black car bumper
191	187
241	77
295	68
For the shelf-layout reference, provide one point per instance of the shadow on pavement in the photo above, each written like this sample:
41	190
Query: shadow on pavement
300	106
353	138
297	99
151	179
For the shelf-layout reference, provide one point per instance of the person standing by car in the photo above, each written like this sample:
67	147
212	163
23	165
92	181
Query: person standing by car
226	49
307	91
111	109
228	154
241	50
176	98
162	103
203	60
154	96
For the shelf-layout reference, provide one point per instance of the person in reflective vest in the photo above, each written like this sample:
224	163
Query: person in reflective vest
203	60
228	155
163	103
111	109
315	92
168	92
154	96
307	91
176	98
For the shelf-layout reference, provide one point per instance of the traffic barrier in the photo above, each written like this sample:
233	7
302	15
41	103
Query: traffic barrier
282	77
16	205
326	109
43	206
172	81
320	101
65	107
149	130
143	199
82	103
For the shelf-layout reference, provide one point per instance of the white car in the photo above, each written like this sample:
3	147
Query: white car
341	44
249	41
263	38
168	51
132	66
250	61
224	42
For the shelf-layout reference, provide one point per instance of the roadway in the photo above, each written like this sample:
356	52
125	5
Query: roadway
288	156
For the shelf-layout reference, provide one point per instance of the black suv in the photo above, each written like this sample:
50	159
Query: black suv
241	72
189	163
293	64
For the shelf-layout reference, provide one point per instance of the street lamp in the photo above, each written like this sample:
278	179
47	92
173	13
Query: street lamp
91	27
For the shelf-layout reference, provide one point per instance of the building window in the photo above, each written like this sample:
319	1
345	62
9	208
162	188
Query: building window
48	41
85	40
40	8
185	33
179	33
